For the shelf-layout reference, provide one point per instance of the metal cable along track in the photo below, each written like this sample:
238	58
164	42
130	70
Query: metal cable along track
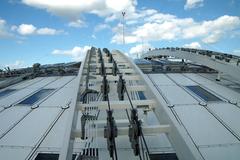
111	94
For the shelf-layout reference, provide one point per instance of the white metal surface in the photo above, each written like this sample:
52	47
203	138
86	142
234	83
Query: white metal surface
229	114
21	128
61	98
31	128
161	80
11	116
56	135
177	95
72	84
26	83
60	82
11	153
68	142
181	80
221	152
203	128
44	82
197	78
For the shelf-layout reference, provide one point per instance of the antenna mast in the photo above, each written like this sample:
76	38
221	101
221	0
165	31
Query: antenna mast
123	15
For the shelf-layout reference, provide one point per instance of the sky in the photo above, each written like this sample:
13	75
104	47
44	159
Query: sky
57	31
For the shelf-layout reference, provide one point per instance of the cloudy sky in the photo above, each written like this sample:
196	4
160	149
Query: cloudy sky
53	31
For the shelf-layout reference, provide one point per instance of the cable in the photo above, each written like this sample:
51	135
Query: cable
109	108
128	115
142	148
140	157
130	101
114	143
145	143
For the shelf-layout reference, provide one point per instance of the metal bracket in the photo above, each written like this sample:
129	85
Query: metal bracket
105	88
110	132
121	88
134	132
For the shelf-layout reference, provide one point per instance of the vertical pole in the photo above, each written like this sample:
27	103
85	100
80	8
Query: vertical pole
142	47
123	23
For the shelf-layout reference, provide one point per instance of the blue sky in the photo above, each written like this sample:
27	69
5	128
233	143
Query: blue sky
53	31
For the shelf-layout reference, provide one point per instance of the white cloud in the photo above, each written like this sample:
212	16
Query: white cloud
139	49
118	39
17	64
118	5
156	31
2	22
4	33
168	27
14	28
29	29
213	37
48	31
76	53
73	8
132	15
26	29
100	27
190	4
213	30
236	52
195	45
93	36
77	23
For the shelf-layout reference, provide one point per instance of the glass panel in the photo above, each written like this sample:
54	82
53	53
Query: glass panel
141	95
165	156
50	156
203	94
47	156
36	97
6	92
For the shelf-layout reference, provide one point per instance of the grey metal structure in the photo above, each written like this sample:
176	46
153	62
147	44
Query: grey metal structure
223	63
184	146
111	110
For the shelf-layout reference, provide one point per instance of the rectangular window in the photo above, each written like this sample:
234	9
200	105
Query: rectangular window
50	156
36	97
6	92
165	156
203	94
141	95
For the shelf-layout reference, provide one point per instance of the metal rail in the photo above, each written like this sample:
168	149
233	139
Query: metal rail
183	145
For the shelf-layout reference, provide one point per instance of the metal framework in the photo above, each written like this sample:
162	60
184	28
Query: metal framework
207	58
98	72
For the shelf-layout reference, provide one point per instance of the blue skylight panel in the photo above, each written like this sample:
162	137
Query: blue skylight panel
36	97
203	94
6	92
